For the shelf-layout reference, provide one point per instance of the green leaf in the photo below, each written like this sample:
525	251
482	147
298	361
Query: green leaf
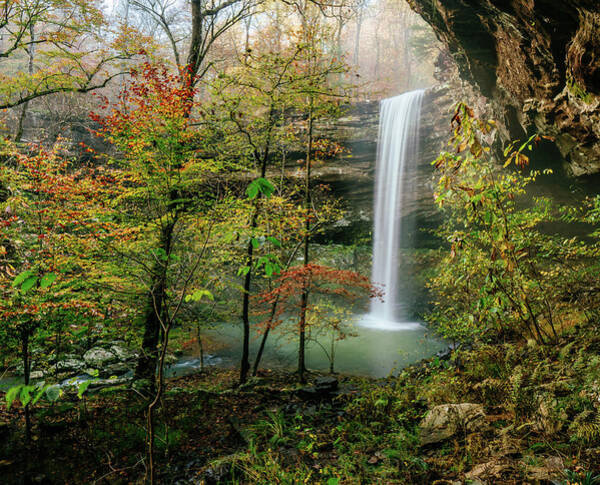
29	283
199	294
47	280
274	241
333	481
12	394
269	269
82	388
252	190
160	254
254	242
243	271
53	393
26	395
41	388
21	277
266	187
260	185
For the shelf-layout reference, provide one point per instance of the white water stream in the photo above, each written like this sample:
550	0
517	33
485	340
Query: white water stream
397	151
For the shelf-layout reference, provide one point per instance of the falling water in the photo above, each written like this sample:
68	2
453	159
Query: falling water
397	149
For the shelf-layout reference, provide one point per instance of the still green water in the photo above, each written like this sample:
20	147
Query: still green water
378	349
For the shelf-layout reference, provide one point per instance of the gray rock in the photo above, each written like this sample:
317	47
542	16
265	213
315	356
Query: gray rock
116	369
36	374
326	384
97	383
123	353
444	421
69	365
99	357
323	388
61	357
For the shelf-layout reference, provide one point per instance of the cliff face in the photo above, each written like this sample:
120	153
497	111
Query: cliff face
537	61
351	175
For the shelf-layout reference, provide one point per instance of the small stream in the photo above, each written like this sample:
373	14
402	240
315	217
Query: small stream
374	351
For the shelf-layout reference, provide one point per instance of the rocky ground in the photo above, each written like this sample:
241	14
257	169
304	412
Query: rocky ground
108	363
507	413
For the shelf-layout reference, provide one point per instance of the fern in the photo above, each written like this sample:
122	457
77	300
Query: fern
585	427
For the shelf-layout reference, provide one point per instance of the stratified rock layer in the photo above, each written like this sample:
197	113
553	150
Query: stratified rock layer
537	60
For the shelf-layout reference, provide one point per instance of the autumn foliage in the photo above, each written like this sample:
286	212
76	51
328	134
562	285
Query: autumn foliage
344	285
49	226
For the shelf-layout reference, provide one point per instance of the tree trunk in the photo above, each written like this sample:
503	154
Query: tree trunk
260	351
26	374
304	301
245	362
156	400
332	355
200	347
195	52
248	26
264	339
359	21
271	317
25	107
146	365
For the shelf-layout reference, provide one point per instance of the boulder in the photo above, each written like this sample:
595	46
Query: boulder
36	375
69	365
116	369
98	383
447	420
491	471
323	388
326	384
98	357
123	353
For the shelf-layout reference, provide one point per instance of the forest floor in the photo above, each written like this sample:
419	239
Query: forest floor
537	417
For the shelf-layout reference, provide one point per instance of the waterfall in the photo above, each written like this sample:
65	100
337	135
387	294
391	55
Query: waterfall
396	154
